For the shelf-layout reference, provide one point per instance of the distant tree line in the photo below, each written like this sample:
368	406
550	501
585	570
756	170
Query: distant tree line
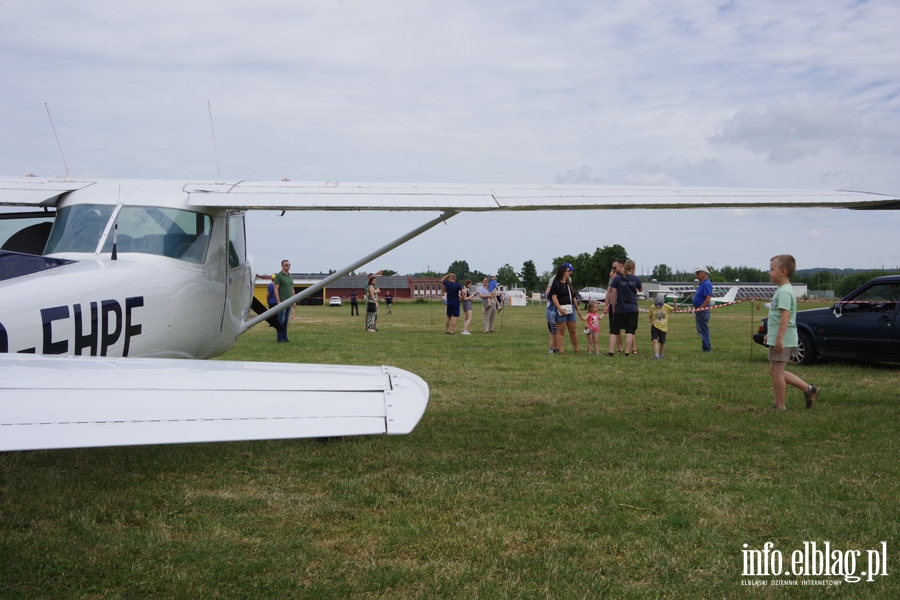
663	272
841	284
592	270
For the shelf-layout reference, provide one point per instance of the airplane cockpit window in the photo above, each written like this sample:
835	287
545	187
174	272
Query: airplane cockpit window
168	232
78	228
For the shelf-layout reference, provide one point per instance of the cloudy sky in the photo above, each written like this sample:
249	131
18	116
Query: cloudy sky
755	94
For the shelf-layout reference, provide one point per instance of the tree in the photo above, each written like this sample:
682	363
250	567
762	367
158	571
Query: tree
593	269
506	275
388	272
744	274
428	273
545	278
662	272
579	263
715	275
848	283
604	258
460	268
475	276
529	276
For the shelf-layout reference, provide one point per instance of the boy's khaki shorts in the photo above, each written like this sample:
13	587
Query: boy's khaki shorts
783	356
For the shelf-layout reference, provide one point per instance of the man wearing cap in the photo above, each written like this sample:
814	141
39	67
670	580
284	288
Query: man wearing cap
702	298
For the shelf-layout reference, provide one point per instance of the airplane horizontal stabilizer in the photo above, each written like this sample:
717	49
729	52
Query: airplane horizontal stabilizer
75	402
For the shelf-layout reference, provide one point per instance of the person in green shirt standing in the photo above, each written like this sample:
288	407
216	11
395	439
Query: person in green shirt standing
284	289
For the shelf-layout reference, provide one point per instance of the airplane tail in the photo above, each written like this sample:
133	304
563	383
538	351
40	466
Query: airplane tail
731	296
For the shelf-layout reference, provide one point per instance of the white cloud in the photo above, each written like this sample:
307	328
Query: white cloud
761	94
793	128
580	175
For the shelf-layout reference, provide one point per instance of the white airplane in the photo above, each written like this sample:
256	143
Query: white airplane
136	275
683	297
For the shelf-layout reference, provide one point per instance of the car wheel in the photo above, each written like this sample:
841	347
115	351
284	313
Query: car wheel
806	352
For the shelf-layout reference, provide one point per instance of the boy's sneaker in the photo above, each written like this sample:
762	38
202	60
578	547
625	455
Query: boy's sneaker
812	394
656	357
776	407
466	333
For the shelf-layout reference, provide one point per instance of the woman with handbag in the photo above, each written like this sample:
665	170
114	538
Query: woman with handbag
562	294
371	304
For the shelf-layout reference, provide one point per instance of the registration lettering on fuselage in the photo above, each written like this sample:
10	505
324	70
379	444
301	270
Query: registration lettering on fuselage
97	326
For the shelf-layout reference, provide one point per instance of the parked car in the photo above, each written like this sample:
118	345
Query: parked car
591	293
861	326
335	301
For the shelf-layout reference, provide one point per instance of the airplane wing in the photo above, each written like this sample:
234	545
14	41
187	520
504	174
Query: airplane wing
36	191
74	402
287	195
283	195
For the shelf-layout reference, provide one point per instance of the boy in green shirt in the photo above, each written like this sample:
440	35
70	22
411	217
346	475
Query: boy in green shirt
783	326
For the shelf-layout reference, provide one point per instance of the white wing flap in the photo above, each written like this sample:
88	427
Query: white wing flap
69	402
442	197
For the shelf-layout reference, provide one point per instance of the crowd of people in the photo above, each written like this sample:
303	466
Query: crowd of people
620	306
562	312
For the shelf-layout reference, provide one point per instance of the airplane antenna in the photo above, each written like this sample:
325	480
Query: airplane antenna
215	150
65	164
115	255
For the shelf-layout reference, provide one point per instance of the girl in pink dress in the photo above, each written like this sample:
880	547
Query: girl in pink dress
593	327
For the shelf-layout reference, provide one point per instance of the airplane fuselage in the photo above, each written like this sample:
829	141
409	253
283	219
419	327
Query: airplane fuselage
181	285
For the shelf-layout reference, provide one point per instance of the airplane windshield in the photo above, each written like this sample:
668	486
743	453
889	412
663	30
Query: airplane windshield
78	228
168	232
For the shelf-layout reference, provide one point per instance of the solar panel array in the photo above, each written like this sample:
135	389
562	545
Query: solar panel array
756	291
744	291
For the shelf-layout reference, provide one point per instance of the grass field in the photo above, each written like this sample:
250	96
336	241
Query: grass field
529	476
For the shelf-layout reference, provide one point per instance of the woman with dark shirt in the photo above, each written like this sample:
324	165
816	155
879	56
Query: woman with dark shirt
562	294
466	297
371	304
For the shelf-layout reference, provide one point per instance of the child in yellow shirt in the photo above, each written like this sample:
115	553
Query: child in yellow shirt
659	321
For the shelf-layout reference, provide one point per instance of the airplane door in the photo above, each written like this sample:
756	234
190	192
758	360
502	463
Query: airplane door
238	281
866	325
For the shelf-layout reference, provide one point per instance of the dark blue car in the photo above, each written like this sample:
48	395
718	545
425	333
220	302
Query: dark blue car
861	326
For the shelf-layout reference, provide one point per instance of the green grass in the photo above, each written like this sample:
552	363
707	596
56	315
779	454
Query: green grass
529	475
